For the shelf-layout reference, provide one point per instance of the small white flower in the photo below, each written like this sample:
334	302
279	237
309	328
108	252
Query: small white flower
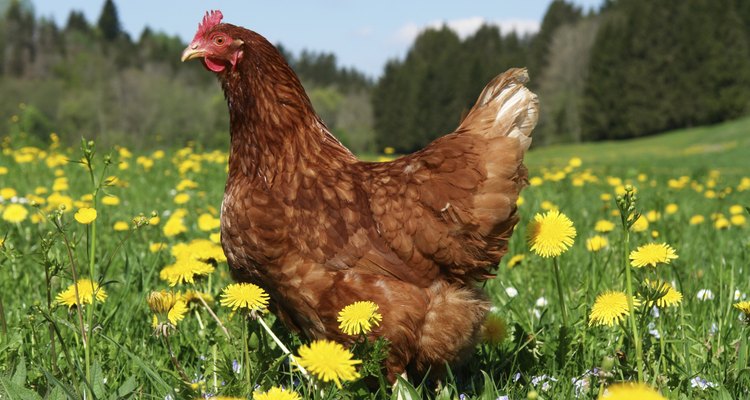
541	302
511	291
544	380
536	313
502	397
705	294
655	312
653	331
701	383
739	295
714	328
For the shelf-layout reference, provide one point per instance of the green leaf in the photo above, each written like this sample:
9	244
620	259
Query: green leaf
97	380
404	390
11	391
153	376
127	387
67	391
19	378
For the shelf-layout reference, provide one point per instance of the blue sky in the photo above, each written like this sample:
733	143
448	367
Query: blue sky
362	34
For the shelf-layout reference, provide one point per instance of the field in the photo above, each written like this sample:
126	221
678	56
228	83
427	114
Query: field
548	337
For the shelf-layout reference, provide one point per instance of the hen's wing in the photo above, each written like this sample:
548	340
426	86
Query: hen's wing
450	208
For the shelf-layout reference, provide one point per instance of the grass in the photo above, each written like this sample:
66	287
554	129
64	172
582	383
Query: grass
696	349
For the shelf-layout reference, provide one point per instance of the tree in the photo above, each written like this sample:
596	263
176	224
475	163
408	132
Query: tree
657	66
559	13
109	23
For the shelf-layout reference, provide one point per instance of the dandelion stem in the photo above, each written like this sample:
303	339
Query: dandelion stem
279	343
175	362
245	354
631	307
560	292
213	315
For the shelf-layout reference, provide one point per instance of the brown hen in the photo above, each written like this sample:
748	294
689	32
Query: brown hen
319	229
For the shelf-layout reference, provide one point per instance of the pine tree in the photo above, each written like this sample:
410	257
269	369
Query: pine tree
109	22
559	13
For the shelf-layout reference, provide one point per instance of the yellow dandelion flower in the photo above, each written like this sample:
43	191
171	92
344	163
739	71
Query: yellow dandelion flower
575	162
697	219
161	302
170	318
652	254
494	329
181	198
605	197
207	222
734	209
110	200
215	237
15	213
550	234
722	223
87	290
329	361
194	296
177	312
276	393
536	181
640	225
244	295
359	317
85	215
738	220
520	201
515	260
157	246
60	184
744	307
175	224
671	297
610	308
604	226
671	208
653	216
185	271
596	243
548	205
3	170
8	193
631	391
57	200
120	226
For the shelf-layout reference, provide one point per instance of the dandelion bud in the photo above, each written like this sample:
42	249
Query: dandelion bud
608	363
628	188
161	302
532	395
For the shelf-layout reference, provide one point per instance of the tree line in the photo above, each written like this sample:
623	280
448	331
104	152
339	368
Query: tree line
630	68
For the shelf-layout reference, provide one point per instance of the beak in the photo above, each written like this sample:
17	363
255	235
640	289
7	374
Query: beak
192	51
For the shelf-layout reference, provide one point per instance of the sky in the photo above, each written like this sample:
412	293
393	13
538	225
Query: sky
362	34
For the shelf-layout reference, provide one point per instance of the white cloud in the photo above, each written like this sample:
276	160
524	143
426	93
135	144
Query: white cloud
465	27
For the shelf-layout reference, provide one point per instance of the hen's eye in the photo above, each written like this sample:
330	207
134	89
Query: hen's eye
219	40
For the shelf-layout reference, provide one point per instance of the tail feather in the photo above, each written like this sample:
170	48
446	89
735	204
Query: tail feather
505	108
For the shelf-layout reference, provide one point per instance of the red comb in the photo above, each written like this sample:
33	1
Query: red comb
210	20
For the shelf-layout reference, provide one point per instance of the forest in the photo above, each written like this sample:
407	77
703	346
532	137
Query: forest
630	69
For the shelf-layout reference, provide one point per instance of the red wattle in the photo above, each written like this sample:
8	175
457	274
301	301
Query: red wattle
214	65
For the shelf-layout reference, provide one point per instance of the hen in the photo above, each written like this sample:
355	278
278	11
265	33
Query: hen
319	229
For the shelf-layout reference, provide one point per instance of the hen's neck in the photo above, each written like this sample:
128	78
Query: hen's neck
272	121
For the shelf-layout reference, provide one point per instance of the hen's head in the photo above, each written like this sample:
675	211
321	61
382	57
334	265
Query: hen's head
218	44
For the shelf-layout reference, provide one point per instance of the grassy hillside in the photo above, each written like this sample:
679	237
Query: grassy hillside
725	146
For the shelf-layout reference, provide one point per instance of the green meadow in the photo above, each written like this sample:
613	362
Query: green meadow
686	339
